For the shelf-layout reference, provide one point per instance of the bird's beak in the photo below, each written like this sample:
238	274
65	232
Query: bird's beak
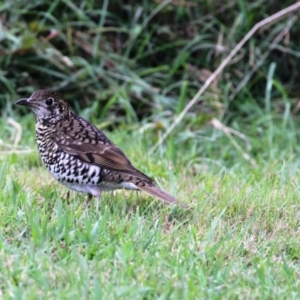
23	102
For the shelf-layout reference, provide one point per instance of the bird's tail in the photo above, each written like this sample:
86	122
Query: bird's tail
144	183
158	193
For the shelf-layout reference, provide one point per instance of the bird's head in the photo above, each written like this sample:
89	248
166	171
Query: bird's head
47	106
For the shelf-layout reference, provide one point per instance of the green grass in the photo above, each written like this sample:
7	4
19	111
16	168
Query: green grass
131	69
239	239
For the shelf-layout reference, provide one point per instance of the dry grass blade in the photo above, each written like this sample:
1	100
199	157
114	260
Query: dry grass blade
18	127
229	132
218	125
217	72
16	152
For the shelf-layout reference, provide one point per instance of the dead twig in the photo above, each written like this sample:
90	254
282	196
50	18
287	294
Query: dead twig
229	132
16	151
217	124
18	127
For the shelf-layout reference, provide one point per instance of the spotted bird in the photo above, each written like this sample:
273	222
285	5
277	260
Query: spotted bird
79	155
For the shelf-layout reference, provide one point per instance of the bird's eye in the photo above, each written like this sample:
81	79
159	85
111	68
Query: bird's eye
49	101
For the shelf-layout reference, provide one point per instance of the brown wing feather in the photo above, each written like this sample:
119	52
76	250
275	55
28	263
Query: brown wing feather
77	137
86	142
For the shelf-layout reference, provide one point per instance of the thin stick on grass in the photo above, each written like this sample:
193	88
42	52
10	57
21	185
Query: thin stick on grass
217	72
16	152
229	132
14	146
18	127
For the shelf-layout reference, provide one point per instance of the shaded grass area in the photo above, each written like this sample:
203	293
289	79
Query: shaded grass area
238	240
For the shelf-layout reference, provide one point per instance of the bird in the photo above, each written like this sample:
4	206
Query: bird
79	155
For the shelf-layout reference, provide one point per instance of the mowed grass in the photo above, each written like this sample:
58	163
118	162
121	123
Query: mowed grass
132	69
238	240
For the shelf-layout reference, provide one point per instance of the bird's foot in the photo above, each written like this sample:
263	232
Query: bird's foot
88	200
68	197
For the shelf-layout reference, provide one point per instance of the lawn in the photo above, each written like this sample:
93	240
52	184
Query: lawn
238	239
232	159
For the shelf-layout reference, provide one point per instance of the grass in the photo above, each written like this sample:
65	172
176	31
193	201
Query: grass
238	241
131	69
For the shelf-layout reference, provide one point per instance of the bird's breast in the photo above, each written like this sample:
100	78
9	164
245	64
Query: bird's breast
65	167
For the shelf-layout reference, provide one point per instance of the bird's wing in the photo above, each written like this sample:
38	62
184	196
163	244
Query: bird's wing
79	138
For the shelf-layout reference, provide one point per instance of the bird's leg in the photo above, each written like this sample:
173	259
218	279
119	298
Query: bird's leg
68	196
88	200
